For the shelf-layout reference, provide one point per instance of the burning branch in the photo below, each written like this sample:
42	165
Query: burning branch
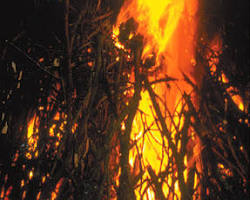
126	119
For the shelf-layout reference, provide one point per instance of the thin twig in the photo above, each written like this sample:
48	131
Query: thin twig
32	60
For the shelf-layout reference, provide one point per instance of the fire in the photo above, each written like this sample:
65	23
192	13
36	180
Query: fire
157	19
213	56
31	174
32	136
225	171
168	28
22	183
169	31
57	188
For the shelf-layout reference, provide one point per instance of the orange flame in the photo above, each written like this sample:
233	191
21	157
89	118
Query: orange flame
169	31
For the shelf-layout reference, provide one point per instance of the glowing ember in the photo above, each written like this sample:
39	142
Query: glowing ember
43	179
31	174
225	171
2	193
57	116
22	183
213	56
169	29
57	188
38	196
5	194
32	136
24	194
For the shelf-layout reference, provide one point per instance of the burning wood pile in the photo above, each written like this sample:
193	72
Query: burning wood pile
143	103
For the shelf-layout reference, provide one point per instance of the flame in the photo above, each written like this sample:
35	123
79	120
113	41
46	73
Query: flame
169	31
32	136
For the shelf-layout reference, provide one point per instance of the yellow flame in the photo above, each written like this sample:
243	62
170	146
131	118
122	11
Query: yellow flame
169	31
32	137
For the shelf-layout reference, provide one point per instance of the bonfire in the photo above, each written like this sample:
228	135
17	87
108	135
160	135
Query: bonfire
126	100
